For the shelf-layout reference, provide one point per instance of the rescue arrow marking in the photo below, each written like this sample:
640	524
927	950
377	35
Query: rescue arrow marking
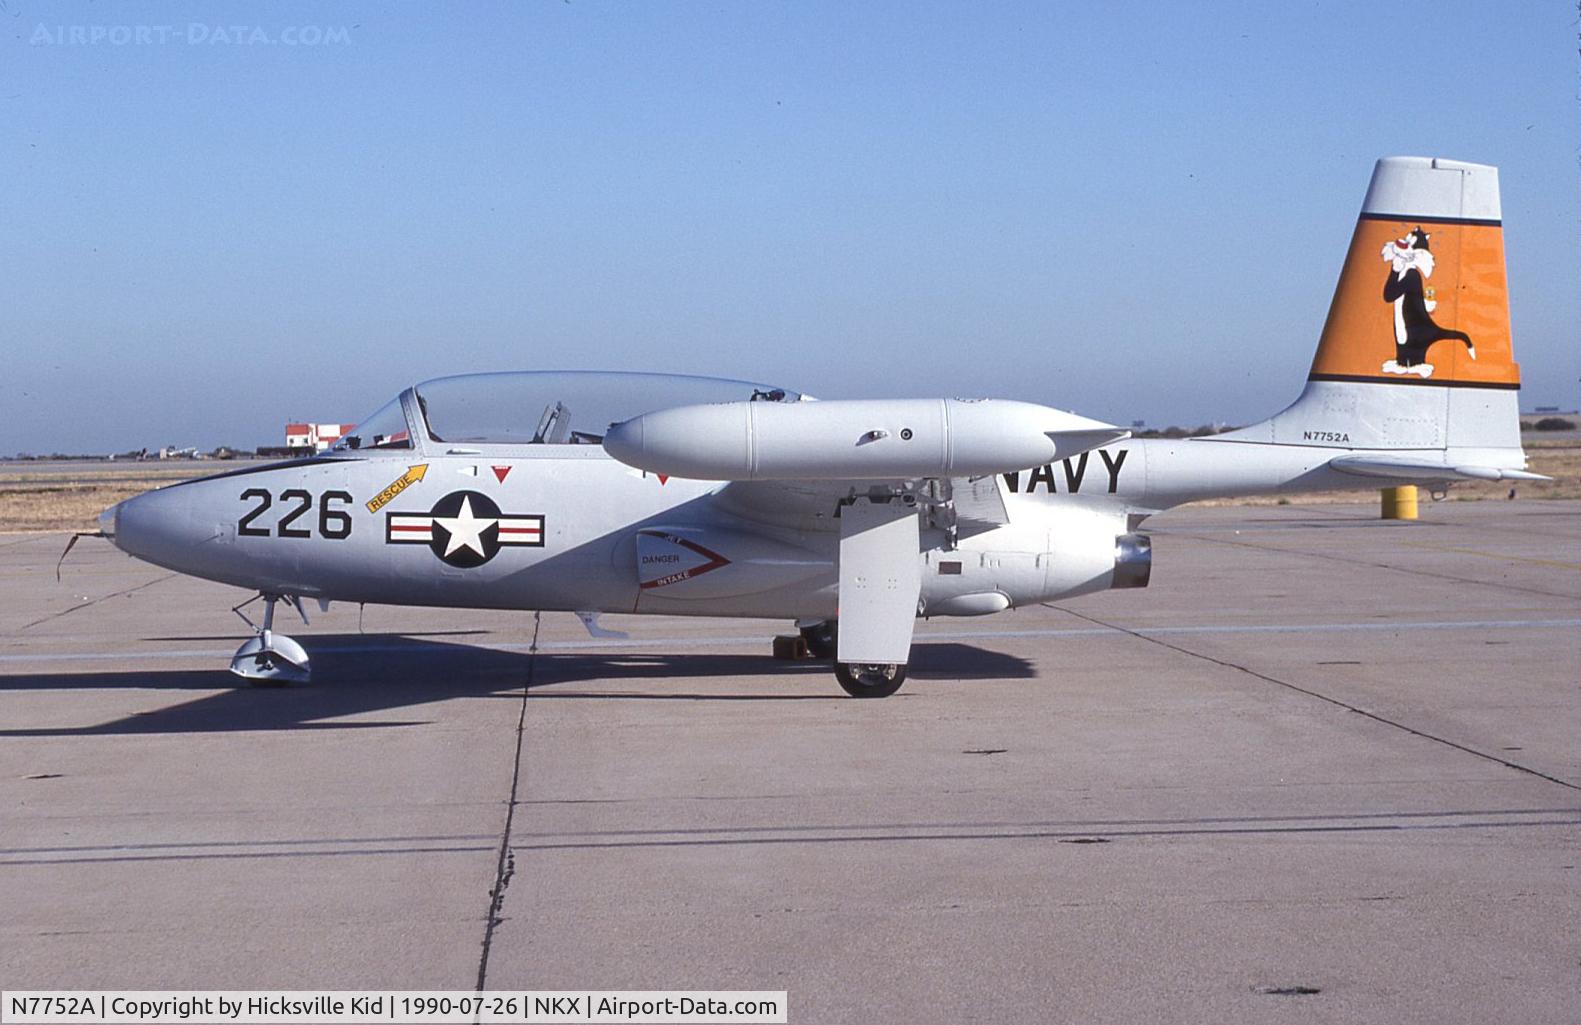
412	475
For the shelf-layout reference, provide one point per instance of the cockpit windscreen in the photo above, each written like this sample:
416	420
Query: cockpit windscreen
385	429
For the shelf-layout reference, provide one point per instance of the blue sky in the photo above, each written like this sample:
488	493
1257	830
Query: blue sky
1136	213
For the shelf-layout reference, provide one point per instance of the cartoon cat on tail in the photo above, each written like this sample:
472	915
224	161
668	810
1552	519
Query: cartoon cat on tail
1411	263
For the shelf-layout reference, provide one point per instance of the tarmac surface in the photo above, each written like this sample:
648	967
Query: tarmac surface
1321	752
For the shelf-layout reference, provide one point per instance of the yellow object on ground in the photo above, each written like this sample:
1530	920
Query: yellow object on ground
1399	503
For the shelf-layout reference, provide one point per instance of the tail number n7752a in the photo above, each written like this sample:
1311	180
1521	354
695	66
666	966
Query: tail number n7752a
334	523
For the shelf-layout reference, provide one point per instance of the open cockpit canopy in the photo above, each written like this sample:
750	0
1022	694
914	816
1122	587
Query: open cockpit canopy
537	407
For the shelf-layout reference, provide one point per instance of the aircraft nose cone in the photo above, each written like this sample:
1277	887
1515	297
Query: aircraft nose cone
157	526
109	520
189	526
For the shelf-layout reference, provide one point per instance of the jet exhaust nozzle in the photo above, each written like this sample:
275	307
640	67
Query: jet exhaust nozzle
1133	560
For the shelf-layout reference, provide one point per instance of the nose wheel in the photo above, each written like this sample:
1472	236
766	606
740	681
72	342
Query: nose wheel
269	659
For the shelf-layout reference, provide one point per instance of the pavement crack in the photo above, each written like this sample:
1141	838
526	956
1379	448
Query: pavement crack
94	601
505	867
504	883
1374	716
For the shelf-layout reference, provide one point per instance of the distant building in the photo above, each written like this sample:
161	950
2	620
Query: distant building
301	438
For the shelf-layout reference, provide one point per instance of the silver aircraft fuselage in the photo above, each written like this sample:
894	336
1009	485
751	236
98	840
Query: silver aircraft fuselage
566	527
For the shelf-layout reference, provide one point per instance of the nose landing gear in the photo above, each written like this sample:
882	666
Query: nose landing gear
270	659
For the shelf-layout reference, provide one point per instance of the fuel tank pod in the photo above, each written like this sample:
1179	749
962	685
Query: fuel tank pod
869	439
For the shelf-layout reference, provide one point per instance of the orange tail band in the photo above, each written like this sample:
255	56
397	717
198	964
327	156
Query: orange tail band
1422	298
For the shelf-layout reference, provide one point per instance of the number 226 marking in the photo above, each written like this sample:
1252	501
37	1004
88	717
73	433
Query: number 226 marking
334	522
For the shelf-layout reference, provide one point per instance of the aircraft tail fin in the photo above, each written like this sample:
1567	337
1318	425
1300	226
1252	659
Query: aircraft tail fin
1416	351
1422	297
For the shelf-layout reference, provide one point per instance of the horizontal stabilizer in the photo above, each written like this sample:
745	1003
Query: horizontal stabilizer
1397	468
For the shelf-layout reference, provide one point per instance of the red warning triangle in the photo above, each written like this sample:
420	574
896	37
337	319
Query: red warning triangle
500	473
664	478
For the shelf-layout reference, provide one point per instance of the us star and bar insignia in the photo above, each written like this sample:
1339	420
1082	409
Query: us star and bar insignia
465	529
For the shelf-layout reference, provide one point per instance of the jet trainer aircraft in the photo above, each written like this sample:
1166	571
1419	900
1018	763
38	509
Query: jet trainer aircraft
639	493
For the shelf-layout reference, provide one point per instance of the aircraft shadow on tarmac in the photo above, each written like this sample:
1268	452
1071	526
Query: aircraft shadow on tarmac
359	674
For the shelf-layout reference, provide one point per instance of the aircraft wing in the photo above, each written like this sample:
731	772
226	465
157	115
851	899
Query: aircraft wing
965	505
973	505
880	524
870	470
1405	468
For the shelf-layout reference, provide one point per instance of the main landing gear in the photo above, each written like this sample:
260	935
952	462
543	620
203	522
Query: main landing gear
270	659
875	680
858	679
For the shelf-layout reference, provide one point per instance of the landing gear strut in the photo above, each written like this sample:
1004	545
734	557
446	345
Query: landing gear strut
270	659
877	680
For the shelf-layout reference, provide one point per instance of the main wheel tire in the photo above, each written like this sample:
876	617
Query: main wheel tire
822	638
875	680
